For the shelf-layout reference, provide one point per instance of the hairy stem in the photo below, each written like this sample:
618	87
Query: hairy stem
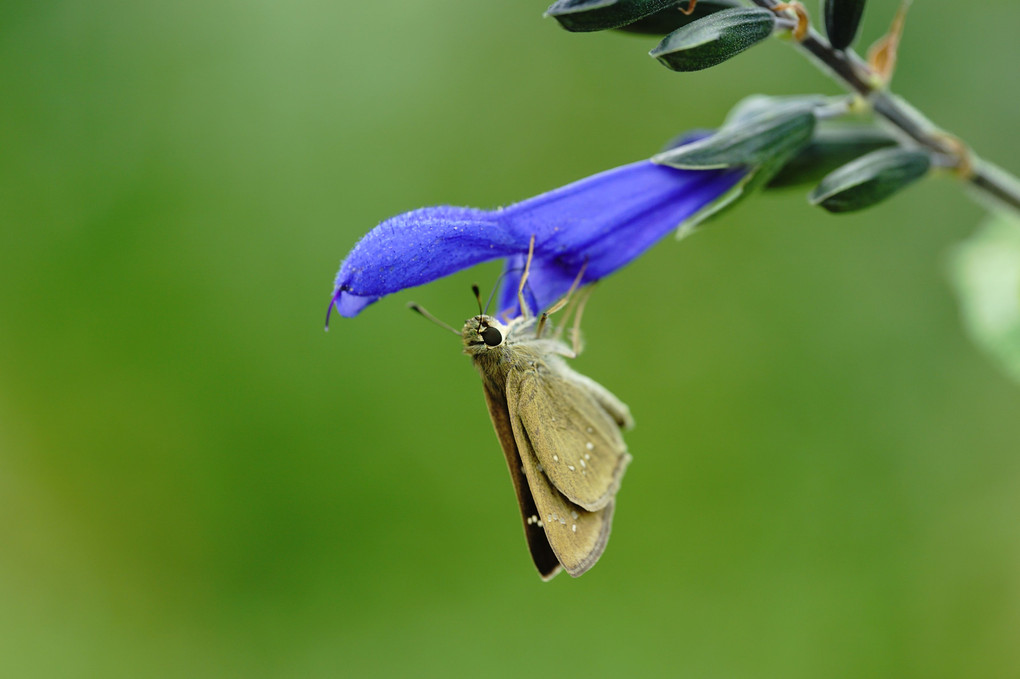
854	74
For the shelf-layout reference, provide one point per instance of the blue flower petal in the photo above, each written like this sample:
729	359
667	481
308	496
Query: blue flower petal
605	221
619	215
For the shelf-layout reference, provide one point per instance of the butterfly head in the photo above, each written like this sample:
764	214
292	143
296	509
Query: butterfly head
483	333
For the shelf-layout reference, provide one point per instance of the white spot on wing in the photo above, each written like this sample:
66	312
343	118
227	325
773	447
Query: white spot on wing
589	445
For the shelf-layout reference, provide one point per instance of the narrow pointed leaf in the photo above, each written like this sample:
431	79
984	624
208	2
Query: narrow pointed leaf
870	179
831	146
986	274
671	18
763	141
761	137
757	104
599	15
756	178
714	39
842	17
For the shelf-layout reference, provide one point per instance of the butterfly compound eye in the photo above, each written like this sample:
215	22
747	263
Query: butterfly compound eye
492	336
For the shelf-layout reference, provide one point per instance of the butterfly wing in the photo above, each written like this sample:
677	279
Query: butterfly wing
576	440
541	552
616	408
576	536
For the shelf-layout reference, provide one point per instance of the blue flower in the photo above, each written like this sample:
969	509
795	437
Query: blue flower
603	222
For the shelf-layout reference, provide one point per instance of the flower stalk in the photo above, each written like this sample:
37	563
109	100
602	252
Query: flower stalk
853	72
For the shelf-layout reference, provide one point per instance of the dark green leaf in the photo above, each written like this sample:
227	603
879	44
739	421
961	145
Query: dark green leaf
842	17
986	274
769	133
762	140
756	104
830	147
714	39
668	20
599	15
870	179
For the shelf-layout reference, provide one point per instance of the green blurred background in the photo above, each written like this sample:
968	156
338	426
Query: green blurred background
197	481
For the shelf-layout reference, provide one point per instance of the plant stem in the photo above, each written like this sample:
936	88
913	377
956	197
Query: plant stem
853	73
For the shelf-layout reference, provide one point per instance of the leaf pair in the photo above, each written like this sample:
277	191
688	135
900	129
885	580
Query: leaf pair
659	17
780	141
762	134
701	34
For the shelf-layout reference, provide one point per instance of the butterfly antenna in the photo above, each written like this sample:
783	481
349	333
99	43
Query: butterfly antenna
415	307
478	298
495	287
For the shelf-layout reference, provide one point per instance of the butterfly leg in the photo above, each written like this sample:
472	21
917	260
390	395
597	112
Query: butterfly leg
562	303
576	344
524	279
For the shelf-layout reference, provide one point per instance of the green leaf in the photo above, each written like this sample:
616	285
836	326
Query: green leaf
842	17
985	270
761	134
714	39
870	179
756	104
757	177
767	133
671	18
599	15
833	145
